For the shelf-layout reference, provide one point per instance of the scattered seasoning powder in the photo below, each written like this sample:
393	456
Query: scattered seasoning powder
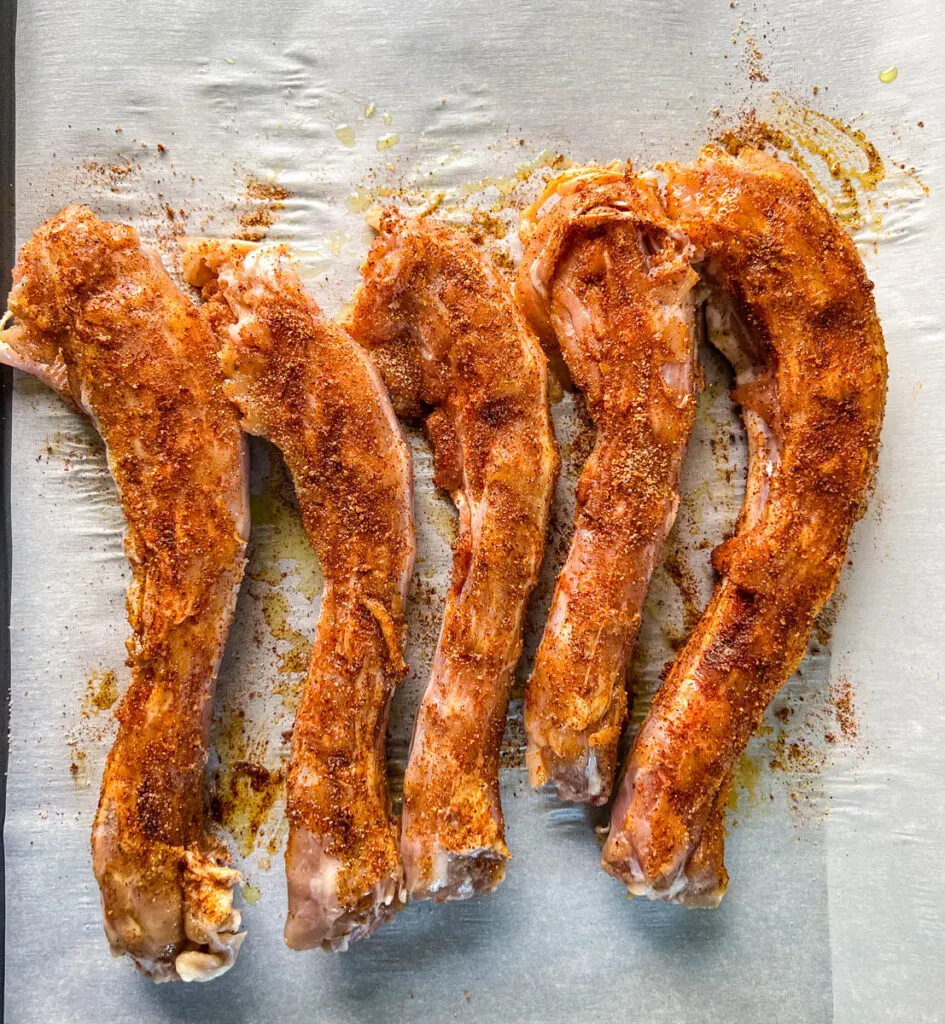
269	190
843	702
263	199
757	71
686	583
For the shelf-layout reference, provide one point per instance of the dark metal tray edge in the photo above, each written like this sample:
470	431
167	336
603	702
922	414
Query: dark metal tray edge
7	246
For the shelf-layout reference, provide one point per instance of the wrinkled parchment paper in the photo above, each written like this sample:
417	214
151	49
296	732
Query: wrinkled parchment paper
289	120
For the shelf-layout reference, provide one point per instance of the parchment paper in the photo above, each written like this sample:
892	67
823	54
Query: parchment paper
835	908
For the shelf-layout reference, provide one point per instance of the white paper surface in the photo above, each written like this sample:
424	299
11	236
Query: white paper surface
836	905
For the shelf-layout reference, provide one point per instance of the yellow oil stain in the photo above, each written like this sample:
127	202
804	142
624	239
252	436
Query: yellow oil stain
507	184
697	502
387	141
78	763
370	110
101	692
744	787
843	166
250	894
344	133
888	75
244	795
359	201
245	788
276	613
231	741
346	312
846	150
278	836
425	570
432	197
442	516
278	536
451	156
387	118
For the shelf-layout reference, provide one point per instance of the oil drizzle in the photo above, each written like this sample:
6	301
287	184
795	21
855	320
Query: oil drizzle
433	196
842	165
